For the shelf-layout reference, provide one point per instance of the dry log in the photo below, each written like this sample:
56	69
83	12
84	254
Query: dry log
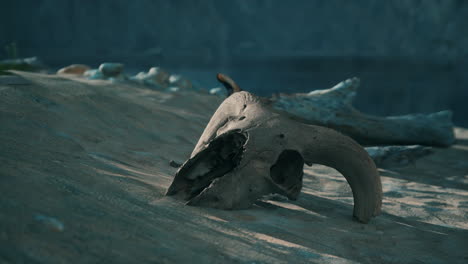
333	108
397	156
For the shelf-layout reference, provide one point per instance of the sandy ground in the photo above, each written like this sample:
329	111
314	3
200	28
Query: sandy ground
85	164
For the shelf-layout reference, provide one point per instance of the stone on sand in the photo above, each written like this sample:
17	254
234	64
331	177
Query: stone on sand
111	69
76	69
94	74
180	81
155	76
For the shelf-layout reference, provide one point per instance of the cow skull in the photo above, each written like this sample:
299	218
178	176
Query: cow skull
248	150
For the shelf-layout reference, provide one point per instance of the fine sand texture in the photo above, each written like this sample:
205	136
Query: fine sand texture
85	164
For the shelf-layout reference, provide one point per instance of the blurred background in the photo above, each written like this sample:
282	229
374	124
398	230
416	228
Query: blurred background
411	55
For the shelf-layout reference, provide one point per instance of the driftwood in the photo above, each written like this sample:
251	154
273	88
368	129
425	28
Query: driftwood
397	156
333	108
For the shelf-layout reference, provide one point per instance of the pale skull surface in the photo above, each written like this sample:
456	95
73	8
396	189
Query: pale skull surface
248	150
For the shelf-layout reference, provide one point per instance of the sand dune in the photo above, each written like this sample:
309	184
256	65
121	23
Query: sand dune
85	164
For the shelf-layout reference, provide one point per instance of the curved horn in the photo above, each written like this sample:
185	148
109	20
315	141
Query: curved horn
330	148
228	83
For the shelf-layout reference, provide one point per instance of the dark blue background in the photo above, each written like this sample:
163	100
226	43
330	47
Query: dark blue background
411	56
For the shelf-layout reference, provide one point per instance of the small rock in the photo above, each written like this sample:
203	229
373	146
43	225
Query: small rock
110	69
155	77
120	78
173	89
174	78
219	91
161	76
94	74
179	81
50	222
76	69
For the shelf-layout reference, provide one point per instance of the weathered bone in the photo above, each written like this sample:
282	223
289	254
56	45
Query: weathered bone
384	156
249	150
333	108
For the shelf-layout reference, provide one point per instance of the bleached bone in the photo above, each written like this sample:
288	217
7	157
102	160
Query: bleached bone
248	150
333	108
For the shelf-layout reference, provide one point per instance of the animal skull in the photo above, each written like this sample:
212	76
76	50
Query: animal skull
248	150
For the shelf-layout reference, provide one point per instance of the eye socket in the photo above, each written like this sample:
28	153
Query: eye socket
241	118
288	171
